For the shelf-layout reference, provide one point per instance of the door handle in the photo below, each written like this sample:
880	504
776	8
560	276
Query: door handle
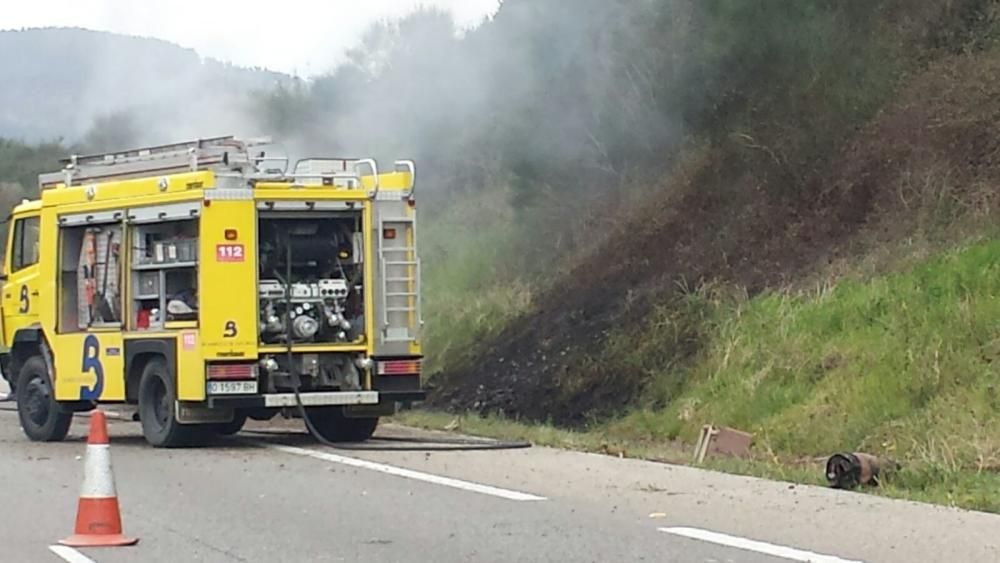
34	293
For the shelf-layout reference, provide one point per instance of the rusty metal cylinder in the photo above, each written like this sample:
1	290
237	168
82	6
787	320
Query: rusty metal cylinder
849	470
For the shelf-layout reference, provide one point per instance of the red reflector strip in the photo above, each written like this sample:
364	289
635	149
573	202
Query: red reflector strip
399	367
231	371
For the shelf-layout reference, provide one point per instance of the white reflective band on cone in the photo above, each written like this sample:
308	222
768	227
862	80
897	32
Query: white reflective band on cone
98	482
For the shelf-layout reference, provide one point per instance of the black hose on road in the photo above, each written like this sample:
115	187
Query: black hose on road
454	445
431	445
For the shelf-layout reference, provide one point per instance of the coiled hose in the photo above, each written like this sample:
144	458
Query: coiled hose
445	445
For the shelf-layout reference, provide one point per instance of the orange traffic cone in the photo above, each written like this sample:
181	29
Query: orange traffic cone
98	520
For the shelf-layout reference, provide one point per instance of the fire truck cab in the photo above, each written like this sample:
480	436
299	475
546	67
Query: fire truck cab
205	284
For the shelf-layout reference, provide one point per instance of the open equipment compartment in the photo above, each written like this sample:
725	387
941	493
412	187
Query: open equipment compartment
326	286
90	271
164	273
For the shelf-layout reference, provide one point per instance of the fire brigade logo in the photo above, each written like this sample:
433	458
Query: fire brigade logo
92	364
25	301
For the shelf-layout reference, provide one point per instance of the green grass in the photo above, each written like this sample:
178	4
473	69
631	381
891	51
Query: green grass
468	296
881	365
903	365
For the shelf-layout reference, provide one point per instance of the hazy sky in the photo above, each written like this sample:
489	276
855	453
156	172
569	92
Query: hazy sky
301	36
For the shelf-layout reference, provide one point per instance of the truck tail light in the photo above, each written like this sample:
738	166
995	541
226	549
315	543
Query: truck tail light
231	371
399	367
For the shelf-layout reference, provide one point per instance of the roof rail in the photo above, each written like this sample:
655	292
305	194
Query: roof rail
200	154
227	156
154	150
335	171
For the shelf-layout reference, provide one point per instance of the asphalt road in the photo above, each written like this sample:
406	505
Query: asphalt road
281	497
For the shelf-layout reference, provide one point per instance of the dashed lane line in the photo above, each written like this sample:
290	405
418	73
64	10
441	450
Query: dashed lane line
756	546
407	473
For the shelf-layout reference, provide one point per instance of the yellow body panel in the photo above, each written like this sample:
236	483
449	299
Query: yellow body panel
389	181
47	271
392	181
27	206
89	366
190	367
367	223
178	187
227	283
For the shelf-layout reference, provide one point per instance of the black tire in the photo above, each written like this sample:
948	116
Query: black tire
156	408
262	415
42	419
233	427
333	426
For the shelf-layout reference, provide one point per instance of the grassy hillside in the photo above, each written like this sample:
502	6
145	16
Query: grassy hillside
818	266
903	364
888	364
858	149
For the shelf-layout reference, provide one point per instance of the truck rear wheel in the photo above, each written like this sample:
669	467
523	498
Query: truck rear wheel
332	425
156	408
42	419
233	427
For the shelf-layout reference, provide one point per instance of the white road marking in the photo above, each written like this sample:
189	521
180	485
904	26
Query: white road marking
758	546
408	473
69	554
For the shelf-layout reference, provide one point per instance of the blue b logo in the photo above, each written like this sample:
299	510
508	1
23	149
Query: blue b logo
92	363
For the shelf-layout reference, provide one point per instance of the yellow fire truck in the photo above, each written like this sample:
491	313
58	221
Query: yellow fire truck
206	283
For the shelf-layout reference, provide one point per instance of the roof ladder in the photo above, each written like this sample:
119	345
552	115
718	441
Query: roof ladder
142	162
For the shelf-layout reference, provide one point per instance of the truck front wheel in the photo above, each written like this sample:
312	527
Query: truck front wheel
156	408
42	419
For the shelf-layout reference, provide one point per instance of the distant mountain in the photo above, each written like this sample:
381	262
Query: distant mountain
57	81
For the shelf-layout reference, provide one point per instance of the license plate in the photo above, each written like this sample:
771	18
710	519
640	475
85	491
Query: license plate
232	387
